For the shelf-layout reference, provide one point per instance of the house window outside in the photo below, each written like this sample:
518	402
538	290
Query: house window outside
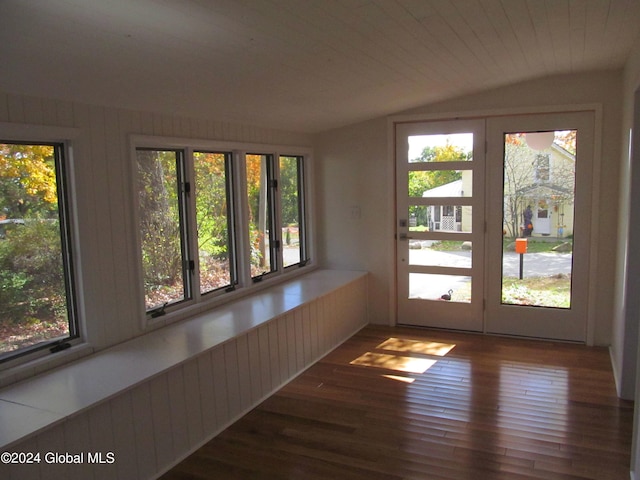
37	292
541	164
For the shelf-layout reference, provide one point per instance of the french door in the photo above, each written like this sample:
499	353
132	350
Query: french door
440	223
539	183
468	193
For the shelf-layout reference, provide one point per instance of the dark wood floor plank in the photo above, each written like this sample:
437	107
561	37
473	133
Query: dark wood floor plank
491	408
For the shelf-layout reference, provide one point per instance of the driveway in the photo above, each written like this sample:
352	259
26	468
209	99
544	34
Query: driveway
535	264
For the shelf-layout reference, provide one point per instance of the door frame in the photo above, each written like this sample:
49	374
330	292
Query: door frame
392	121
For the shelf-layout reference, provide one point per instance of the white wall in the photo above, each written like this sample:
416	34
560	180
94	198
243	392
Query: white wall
103	199
353	213
354	166
627	315
627	302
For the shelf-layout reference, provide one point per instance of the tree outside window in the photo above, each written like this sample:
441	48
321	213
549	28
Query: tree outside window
36	291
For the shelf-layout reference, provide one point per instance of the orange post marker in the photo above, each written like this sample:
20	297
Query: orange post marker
521	245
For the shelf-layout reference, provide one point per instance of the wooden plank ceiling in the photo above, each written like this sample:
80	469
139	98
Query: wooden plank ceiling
305	65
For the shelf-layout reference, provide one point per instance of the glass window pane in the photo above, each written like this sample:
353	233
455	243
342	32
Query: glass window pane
260	213
160	233
427	286
440	183
440	218
34	307
454	147
291	198
539	182
213	220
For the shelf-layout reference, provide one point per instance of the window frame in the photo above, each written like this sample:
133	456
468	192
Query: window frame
60	140
230	198
183	236
271	179
240	253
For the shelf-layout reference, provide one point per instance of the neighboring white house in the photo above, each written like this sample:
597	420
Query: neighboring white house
450	218
543	180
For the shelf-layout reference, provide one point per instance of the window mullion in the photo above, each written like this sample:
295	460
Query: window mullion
64	209
190	236
275	232
232	220
242	218
302	212
184	188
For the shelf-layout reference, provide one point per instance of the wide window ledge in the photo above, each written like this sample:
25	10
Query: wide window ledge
29	407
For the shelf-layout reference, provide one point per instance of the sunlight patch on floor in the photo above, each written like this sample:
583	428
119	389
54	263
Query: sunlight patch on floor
394	362
400	378
416	346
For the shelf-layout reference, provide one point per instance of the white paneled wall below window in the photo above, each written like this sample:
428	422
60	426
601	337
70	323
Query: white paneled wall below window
143	431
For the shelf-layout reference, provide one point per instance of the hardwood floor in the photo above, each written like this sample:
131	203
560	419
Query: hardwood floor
489	408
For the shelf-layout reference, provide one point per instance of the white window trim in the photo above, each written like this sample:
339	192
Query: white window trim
246	286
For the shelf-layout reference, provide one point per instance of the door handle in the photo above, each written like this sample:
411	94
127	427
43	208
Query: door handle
404	236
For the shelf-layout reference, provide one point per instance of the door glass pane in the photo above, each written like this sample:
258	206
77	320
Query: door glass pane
453	147
452	288
212	218
539	186
440	183
159	216
440	253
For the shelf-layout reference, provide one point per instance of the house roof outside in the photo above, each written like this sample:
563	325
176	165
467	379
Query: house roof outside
452	189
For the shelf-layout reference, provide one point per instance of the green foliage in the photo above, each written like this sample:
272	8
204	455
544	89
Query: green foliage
31	273
421	181
32	285
159	218
447	246
539	291
289	190
27	181
534	246
211	205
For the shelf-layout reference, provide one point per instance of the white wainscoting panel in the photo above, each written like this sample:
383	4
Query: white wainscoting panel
155	424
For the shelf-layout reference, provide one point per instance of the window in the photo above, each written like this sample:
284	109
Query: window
215	221
215	218
541	164
293	211
260	196
161	193
37	296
